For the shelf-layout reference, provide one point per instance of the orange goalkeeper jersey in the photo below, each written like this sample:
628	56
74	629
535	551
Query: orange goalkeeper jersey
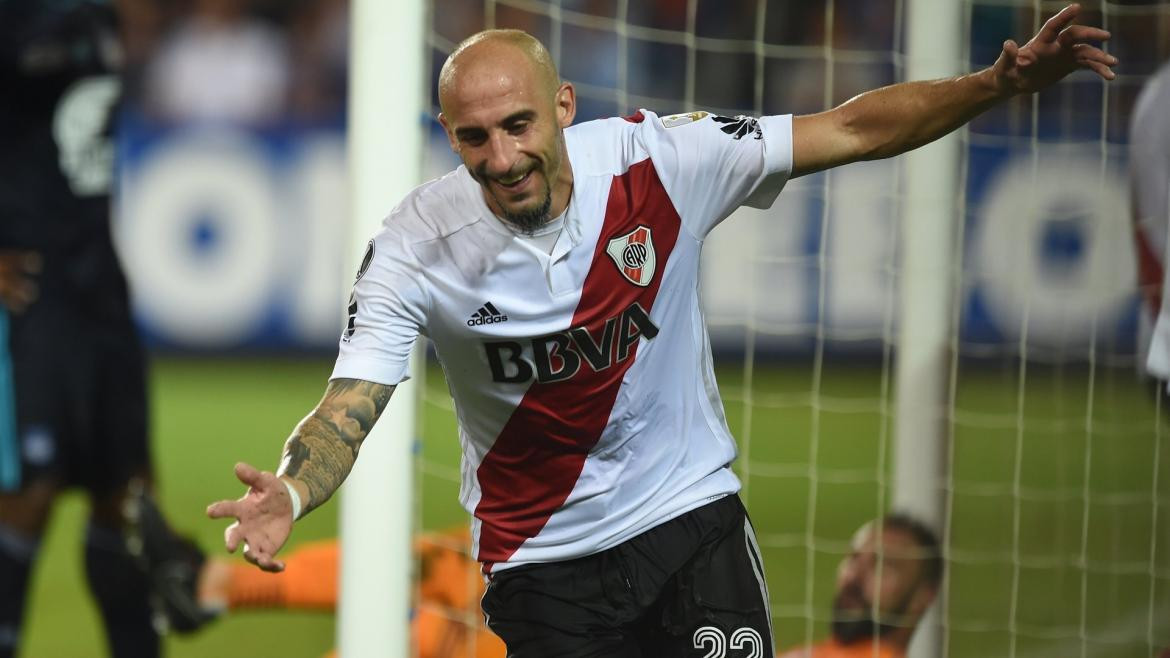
833	649
446	623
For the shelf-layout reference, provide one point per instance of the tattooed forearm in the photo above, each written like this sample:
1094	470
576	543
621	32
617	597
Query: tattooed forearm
324	446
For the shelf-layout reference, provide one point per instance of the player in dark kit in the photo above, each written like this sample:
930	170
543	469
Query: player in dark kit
72	382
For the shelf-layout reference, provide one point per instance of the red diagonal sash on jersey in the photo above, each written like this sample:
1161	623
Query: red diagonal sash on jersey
1149	271
538	456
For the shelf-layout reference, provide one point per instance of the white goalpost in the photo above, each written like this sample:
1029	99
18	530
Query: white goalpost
931	218
387	92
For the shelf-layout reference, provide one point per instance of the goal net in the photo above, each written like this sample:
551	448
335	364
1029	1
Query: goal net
1054	502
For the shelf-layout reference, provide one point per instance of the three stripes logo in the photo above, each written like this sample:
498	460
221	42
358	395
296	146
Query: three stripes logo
487	314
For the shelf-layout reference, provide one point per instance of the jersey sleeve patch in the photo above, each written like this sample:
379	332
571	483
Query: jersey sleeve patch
676	120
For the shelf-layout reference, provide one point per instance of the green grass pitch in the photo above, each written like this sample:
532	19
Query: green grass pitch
1025	565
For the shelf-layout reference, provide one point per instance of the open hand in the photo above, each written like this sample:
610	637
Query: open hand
1059	48
263	517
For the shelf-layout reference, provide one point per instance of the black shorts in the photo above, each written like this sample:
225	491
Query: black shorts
693	586
78	390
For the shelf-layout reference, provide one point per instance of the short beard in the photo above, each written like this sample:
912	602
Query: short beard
855	626
855	629
529	221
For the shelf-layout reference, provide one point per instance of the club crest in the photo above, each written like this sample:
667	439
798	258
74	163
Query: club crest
633	253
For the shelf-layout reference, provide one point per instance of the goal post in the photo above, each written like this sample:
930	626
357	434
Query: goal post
387	99
929	223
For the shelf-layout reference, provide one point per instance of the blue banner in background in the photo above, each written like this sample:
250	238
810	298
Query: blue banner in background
237	239
234	238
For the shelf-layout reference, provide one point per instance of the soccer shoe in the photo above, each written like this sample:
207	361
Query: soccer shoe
171	562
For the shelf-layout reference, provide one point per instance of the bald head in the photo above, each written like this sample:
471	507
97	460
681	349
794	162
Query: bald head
497	55
505	111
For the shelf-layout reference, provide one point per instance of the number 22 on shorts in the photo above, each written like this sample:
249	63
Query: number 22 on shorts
716	642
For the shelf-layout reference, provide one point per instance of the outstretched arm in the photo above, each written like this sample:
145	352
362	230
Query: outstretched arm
895	119
324	446
317	458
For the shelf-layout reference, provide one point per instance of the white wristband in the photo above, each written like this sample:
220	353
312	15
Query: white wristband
296	498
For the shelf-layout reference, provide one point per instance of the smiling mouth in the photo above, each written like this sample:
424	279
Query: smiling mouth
514	183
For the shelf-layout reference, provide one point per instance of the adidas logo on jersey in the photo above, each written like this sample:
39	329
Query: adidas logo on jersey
487	314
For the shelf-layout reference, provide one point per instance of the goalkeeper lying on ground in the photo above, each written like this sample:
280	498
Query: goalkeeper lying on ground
446	622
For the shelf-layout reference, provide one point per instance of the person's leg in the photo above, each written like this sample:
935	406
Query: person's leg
692	586
118	583
36	424
170	563
308	582
23	515
717	604
114	465
577	609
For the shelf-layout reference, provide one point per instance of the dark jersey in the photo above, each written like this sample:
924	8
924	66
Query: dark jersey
58	90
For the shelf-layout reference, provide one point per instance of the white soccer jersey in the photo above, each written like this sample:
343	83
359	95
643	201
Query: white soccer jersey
582	379
1149	141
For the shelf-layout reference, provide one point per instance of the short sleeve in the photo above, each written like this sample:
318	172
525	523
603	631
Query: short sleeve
386	313
711	165
1149	154
1149	163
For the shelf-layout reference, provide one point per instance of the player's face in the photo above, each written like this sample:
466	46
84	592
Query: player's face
507	126
886	570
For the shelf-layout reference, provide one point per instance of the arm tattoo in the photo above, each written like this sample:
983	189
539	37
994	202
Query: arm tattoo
324	446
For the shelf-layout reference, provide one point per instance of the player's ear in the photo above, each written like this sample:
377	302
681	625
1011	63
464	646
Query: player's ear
922	599
566	103
450	134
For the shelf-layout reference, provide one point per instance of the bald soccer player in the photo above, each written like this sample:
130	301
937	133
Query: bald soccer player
884	587
556	273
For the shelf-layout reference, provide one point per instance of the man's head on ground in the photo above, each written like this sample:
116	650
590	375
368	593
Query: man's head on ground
887	582
505	110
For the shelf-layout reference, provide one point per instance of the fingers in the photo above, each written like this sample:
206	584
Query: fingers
260	552
1082	33
232	536
1086	53
1017	56
1052	27
262	558
248	474
1096	60
223	509
1011	49
1100	69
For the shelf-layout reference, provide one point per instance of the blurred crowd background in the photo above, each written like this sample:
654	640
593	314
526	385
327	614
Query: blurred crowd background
249	63
264	61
